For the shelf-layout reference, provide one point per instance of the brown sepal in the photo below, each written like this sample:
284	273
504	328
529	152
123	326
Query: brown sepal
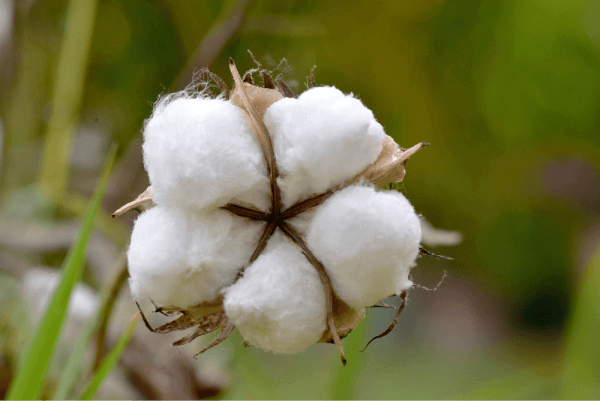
389	166
260	98
206	325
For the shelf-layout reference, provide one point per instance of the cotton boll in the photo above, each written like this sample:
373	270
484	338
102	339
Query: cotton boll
157	259
201	152
321	139
279	303
219	247
368	241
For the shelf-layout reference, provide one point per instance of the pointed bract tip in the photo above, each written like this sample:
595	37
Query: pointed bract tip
425	144
231	61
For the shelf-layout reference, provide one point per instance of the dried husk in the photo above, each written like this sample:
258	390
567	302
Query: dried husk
390	164
345	318
210	316
260	98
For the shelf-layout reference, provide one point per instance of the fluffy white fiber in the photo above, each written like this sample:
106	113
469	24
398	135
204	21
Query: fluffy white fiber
201	152
182	259
279	303
368	241
321	139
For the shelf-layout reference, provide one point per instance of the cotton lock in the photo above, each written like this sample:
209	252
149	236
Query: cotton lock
321	139
184	258
201	152
278	305
368	242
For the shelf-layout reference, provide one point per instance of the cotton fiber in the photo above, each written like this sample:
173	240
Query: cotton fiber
279	303
368	241
321	139
157	259
182	259
219	247
201	152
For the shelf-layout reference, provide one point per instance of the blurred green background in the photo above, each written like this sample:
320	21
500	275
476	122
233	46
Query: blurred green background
506	91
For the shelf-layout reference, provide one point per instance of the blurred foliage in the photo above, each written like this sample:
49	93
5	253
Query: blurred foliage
37	355
506	91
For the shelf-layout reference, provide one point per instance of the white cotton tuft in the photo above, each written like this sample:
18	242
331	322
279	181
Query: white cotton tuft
157	258
321	139
182	259
279	303
368	242
219	247
201	152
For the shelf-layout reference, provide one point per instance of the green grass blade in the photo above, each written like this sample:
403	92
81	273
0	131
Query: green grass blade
109	362
71	372
35	360
582	364
67	93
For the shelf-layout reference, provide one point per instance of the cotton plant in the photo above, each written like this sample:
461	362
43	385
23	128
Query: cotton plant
265	214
